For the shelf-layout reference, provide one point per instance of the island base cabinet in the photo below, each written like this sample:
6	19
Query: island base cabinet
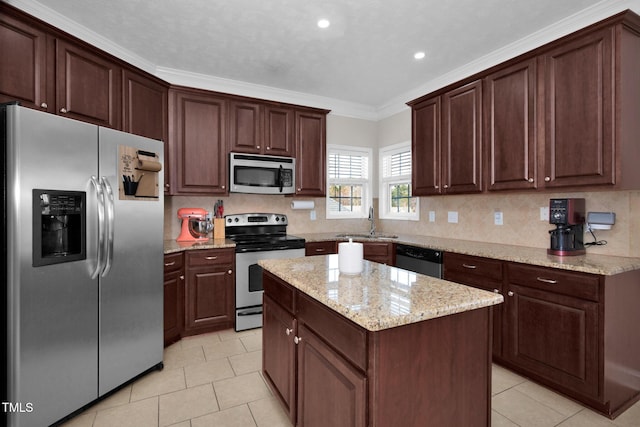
330	391
433	373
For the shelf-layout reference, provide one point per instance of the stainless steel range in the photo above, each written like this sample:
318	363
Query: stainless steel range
257	236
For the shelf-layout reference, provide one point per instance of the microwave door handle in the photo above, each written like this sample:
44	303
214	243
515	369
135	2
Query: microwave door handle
280	180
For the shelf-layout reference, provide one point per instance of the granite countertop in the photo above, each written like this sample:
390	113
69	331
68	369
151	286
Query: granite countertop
381	297
171	246
588	263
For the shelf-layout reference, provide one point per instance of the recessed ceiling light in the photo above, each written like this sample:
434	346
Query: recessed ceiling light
419	55
323	23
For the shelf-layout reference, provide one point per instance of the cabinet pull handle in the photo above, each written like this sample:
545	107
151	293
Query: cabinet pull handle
268	148
63	110
496	291
472	267
230	271
43	105
446	186
510	293
258	147
297	340
169	264
222	186
540	279
181	277
530	179
436	186
288	331
211	257
547	179
319	250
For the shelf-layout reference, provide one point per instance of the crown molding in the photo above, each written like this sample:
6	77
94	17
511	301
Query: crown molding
339	107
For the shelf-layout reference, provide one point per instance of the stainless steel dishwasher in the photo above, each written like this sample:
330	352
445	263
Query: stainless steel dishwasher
420	260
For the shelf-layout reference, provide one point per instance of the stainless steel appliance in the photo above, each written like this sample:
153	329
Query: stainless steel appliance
259	174
568	215
420	260
83	263
257	236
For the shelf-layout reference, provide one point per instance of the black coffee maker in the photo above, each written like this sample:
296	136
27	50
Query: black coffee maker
568	216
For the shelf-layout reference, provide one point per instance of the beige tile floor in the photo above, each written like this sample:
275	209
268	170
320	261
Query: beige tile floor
214	380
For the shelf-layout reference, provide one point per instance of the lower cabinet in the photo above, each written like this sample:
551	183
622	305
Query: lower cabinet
321	248
209	290
199	292
173	297
382	252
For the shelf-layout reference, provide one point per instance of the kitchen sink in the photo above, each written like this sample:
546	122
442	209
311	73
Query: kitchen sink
366	236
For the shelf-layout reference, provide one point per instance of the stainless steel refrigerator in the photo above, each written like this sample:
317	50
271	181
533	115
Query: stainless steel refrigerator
83	262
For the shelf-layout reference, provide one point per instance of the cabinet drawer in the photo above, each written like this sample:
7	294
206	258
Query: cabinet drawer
210	256
579	285
320	248
173	262
459	265
340	333
279	291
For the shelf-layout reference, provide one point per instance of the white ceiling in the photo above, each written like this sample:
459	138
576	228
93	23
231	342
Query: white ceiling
361	66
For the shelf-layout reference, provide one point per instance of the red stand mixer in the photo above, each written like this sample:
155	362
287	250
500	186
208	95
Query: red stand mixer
195	225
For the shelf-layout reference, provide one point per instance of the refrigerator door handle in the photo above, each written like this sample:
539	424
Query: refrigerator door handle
110	226
100	199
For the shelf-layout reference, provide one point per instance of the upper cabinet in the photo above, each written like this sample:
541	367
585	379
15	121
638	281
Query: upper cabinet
23	64
260	127
278	130
447	142
561	116
311	150
145	102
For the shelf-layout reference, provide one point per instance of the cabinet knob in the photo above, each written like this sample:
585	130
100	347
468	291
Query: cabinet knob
44	105
181	277
436	186
268	148
288	331
297	340
299	189
230	272
222	186
530	179
446	186
258	147
496	291
510	293
547	179
63	110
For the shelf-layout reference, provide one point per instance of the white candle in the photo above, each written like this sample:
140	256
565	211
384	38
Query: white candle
350	256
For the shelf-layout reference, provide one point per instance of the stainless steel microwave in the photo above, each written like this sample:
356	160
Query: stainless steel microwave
259	174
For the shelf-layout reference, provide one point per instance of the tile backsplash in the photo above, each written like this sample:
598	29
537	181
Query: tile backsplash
521	217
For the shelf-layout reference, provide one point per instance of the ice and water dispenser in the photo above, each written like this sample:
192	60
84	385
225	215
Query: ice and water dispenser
59	224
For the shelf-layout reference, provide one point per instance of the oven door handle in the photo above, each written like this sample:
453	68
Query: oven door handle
251	312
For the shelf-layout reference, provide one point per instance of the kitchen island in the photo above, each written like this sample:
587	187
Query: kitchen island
380	348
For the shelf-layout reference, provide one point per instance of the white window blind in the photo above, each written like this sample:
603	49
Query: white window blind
348	182
396	201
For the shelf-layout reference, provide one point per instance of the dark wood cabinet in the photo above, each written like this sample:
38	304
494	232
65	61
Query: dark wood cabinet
579	94
279	364
198	144
381	252
321	248
23	64
447	142
145	103
245	127
88	86
480	273
173	297
278	130
510	96
209	290
310	148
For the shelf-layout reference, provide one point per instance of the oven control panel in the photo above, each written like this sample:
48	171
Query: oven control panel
255	219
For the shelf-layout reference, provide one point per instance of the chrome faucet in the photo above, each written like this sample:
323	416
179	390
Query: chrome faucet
372	229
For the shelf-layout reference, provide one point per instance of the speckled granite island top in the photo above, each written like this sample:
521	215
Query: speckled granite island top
590	263
381	297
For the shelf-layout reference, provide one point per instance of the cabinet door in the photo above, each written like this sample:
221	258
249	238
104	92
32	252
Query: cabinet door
199	150
378	252
330	391
88	86
555	337
173	306
23	69
510	127
278	358
310	153
425	145
245	127
209	298
278	131
579	134
461	139
145	106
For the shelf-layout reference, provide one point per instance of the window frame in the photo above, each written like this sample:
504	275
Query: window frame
384	183
367	198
